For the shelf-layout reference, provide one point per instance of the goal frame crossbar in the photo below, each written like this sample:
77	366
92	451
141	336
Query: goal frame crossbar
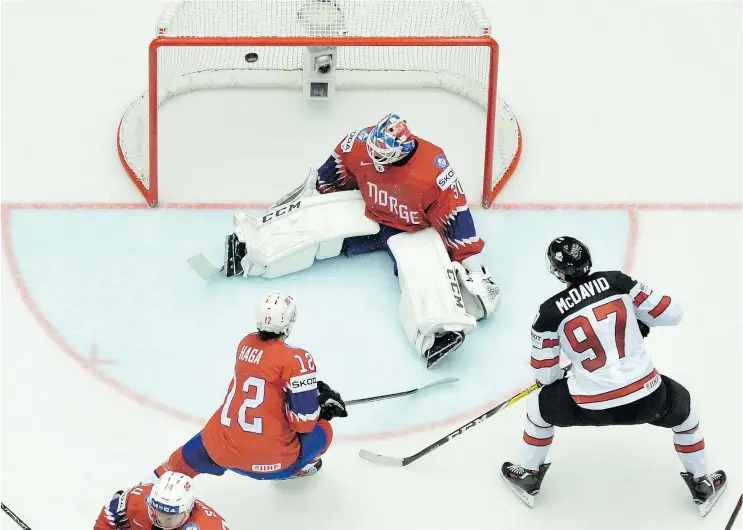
152	194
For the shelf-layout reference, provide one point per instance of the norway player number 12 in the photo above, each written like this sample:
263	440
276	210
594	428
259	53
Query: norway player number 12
256	426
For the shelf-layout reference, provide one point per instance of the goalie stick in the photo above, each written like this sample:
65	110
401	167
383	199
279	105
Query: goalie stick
393	461
203	266
438	382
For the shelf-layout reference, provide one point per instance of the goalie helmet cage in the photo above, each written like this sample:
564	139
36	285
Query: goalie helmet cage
273	43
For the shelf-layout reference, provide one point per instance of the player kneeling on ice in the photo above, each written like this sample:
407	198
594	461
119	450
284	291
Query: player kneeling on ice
275	421
168	504
381	188
599	321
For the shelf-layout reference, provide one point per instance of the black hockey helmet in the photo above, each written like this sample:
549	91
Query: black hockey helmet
568	259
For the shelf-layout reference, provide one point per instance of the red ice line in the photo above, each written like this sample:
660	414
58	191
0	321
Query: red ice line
90	364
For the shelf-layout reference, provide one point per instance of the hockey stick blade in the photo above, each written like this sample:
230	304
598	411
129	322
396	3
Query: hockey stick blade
444	381
392	461
381	459
203	266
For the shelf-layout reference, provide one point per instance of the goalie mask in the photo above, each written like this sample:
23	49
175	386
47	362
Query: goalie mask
276	313
389	141
568	259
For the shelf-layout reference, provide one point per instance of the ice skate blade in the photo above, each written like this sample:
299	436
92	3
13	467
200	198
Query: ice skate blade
707	505
521	494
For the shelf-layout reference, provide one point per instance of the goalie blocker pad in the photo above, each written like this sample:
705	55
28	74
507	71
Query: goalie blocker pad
290	237
431	302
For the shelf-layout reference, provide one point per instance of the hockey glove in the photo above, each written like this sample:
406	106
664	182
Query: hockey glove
562	376
644	328
117	508
331	404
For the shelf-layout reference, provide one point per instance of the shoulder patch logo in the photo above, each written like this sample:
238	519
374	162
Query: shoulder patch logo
363	135
446	179
441	161
191	526
347	143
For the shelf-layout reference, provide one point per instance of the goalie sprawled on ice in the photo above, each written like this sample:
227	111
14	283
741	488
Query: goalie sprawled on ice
381	188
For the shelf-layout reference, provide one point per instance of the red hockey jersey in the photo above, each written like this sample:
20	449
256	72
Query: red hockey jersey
133	502
272	397
420	191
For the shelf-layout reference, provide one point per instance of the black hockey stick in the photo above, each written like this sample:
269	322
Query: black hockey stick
13	516
735	514
393	461
438	382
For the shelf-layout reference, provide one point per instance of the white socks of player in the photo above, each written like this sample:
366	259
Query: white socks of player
537	435
689	444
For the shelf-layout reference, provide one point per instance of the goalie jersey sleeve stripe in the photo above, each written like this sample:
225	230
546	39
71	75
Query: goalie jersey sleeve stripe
334	174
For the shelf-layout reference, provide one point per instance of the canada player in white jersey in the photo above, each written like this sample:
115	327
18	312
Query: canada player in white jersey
599	322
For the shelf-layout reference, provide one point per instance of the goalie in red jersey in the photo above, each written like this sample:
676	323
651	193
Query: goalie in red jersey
382	188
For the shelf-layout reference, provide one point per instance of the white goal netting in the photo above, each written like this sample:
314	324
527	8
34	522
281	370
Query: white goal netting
208	44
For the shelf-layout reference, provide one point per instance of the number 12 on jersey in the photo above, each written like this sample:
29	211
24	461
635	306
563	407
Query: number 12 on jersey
255	426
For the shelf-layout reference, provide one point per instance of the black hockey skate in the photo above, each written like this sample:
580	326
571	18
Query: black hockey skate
706	490
308	470
234	251
524	482
443	345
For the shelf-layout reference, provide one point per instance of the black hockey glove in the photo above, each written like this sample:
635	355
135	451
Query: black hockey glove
331	404
644	328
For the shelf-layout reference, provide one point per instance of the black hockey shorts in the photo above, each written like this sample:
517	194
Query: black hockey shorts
668	406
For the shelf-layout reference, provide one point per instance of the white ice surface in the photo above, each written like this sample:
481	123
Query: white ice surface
620	102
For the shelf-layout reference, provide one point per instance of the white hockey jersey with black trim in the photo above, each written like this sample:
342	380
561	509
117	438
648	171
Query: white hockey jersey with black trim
594	322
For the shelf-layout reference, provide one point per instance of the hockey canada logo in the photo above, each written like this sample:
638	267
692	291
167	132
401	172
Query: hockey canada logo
441	161
363	135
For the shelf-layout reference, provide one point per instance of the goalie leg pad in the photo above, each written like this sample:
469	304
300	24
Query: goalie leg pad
431	306
289	238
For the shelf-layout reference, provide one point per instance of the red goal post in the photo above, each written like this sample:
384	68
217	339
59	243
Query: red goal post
405	44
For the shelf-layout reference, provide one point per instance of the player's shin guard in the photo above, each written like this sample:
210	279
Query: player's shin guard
537	435
689	444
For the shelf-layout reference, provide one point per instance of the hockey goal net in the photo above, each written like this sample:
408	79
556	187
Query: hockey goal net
374	44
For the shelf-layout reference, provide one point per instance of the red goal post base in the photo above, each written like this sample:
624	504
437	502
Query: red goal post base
138	148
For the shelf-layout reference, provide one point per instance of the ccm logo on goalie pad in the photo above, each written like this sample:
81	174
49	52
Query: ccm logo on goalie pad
347	143
302	383
281	211
446	179
455	287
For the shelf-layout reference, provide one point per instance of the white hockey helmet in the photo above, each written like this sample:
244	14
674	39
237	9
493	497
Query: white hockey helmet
389	140
171	500
276	313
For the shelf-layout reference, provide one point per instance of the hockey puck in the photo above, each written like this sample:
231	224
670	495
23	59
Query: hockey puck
251	57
